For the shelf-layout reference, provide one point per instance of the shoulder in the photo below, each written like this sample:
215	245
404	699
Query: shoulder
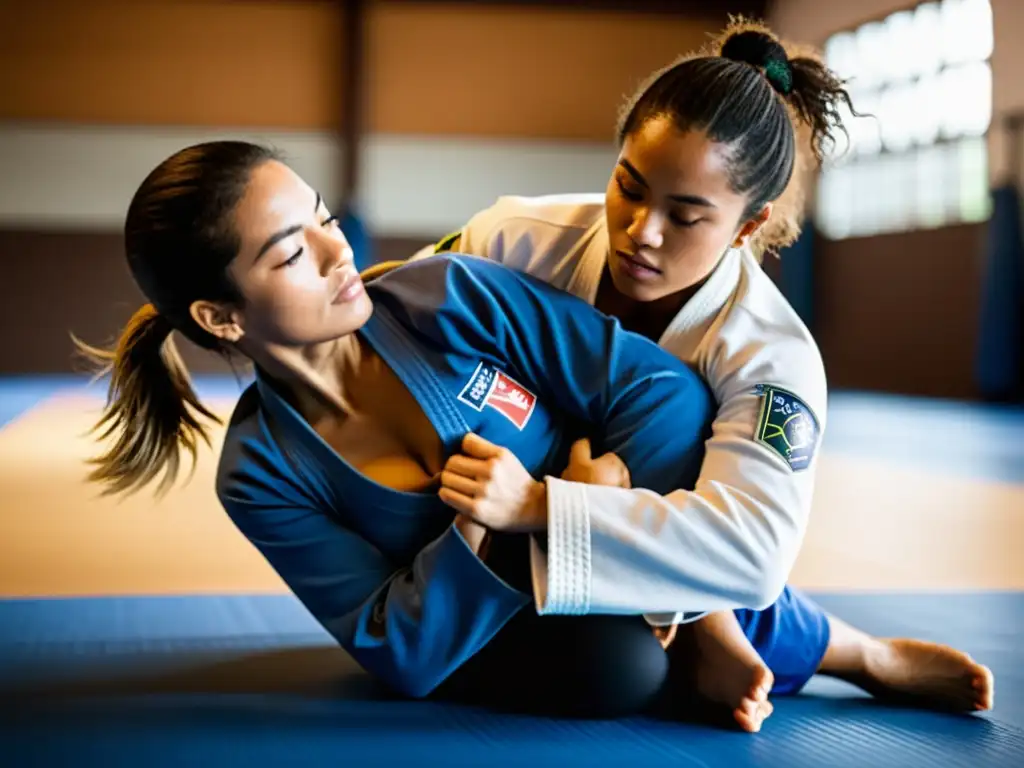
512	220
251	468
565	210
764	357
242	428
449	279
766	335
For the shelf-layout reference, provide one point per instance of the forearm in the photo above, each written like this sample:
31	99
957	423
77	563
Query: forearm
426	621
612	550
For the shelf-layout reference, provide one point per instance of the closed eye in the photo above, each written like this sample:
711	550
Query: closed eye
679	221
629	194
294	259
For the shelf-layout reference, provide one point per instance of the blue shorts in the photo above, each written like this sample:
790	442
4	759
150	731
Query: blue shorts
791	636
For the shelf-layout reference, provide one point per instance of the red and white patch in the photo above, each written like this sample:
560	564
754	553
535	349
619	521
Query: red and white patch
511	399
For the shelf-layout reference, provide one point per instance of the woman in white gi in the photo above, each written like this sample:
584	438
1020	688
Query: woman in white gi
707	178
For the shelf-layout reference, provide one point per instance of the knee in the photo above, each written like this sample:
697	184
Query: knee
622	672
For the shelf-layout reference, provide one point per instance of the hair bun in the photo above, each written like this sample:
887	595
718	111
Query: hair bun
761	50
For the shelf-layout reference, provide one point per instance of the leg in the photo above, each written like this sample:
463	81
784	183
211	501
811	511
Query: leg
600	667
730	654
913	671
732	660
566	666
717	673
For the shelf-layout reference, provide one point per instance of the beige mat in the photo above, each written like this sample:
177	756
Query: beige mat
57	537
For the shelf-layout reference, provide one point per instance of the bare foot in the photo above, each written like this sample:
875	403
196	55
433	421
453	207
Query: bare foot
926	674
729	672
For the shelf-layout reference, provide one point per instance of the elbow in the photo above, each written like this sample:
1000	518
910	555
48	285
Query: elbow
766	589
770	562
769	572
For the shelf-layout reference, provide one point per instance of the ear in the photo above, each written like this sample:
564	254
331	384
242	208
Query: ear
751	226
217	319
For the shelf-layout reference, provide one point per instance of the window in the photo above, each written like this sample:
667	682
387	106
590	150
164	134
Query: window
919	159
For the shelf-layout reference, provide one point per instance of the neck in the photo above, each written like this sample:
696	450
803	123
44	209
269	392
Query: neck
316	378
648	318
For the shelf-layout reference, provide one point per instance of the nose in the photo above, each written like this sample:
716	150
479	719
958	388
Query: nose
334	250
646	229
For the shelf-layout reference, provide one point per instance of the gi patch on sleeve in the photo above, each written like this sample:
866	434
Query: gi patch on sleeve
448	242
788	426
489	387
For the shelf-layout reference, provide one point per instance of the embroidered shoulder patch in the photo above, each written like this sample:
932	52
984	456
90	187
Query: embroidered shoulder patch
489	387
788	426
448	242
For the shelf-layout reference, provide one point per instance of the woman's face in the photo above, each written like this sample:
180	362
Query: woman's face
294	268
671	211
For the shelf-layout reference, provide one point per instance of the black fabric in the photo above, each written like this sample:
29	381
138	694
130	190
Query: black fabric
567	666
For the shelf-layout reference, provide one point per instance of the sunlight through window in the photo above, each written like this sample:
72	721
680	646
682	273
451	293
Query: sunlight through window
918	157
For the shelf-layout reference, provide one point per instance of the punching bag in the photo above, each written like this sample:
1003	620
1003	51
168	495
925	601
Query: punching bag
998	366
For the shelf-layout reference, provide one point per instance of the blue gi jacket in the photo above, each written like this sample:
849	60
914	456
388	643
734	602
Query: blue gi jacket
483	349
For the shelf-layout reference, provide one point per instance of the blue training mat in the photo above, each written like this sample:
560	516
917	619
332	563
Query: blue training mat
253	680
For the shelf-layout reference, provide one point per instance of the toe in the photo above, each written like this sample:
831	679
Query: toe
748	707
751	723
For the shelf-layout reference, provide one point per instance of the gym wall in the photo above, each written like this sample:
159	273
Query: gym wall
900	312
464	103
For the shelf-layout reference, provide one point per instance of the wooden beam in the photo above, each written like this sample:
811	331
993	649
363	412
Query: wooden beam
700	8
354	78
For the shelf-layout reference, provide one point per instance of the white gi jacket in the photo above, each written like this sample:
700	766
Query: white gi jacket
732	541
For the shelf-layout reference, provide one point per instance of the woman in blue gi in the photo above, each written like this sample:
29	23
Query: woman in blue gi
366	395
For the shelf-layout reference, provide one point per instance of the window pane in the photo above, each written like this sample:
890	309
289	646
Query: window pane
919	76
835	203
841	54
901	42
931	185
871	55
951	185
844	148
927	45
899	117
966	93
901	210
927	110
975	202
966	30
866	131
867	215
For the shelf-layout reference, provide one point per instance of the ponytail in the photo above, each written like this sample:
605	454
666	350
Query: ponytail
151	411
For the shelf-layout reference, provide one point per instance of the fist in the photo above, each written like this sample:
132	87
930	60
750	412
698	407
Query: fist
489	485
608	469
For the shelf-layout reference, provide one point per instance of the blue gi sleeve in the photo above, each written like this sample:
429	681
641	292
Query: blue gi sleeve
641	402
410	626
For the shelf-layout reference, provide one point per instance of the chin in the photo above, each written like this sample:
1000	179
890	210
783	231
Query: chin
634	289
350	317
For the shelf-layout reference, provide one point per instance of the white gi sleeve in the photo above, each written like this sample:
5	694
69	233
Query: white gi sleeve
731	542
